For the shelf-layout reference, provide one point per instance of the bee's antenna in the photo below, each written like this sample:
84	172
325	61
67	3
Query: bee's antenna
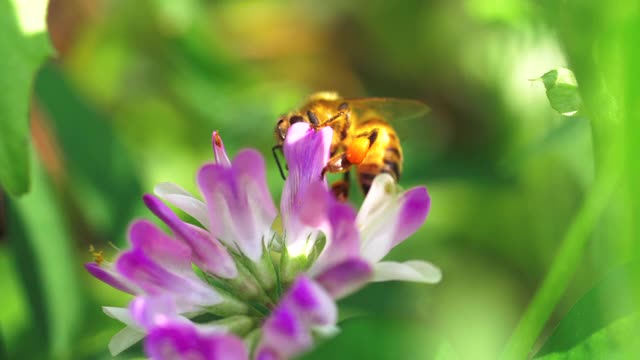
275	156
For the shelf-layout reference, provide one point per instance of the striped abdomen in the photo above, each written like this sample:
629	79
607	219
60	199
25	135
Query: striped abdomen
384	155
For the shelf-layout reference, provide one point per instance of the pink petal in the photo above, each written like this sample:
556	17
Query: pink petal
306	152
183	200
138	268
151	311
287	331
111	277
413	212
189	292
240	206
266	353
219	153
207	252
311	302
343	238
159	246
314	207
251	171
284	331
388	216
346	277
183	341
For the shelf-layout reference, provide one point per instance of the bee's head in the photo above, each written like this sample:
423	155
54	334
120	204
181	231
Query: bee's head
283	124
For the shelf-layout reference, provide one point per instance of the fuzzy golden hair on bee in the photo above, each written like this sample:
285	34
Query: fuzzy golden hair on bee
363	135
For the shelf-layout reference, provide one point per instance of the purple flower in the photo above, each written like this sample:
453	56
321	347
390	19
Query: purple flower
158	265
170	336
387	217
288	330
306	152
277	287
237	215
177	341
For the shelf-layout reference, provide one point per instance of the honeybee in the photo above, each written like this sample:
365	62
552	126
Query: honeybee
362	135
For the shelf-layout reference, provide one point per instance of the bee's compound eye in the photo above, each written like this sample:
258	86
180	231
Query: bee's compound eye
295	119
281	129
313	118
343	107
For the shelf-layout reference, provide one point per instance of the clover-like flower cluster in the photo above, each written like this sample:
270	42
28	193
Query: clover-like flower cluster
249	281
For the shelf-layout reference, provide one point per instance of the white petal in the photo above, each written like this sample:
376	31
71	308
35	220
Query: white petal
212	328
184	201
262	220
326	331
257	207
414	270
382	187
200	294
377	238
124	339
377	218
121	314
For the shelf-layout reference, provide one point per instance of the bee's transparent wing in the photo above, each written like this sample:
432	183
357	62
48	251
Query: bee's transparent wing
390	109
422	137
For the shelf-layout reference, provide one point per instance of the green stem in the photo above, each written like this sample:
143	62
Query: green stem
562	269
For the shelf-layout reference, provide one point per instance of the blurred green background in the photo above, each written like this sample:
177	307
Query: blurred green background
136	87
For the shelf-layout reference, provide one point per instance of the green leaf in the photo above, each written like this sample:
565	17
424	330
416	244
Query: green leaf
45	258
3	352
24	44
617	341
562	91
14	309
103	175
604	304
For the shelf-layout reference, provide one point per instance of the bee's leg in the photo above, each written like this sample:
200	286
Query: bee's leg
275	156
339	164
337	126
336	164
340	188
343	111
344	114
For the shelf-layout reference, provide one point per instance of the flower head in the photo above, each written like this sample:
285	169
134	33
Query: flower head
276	289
